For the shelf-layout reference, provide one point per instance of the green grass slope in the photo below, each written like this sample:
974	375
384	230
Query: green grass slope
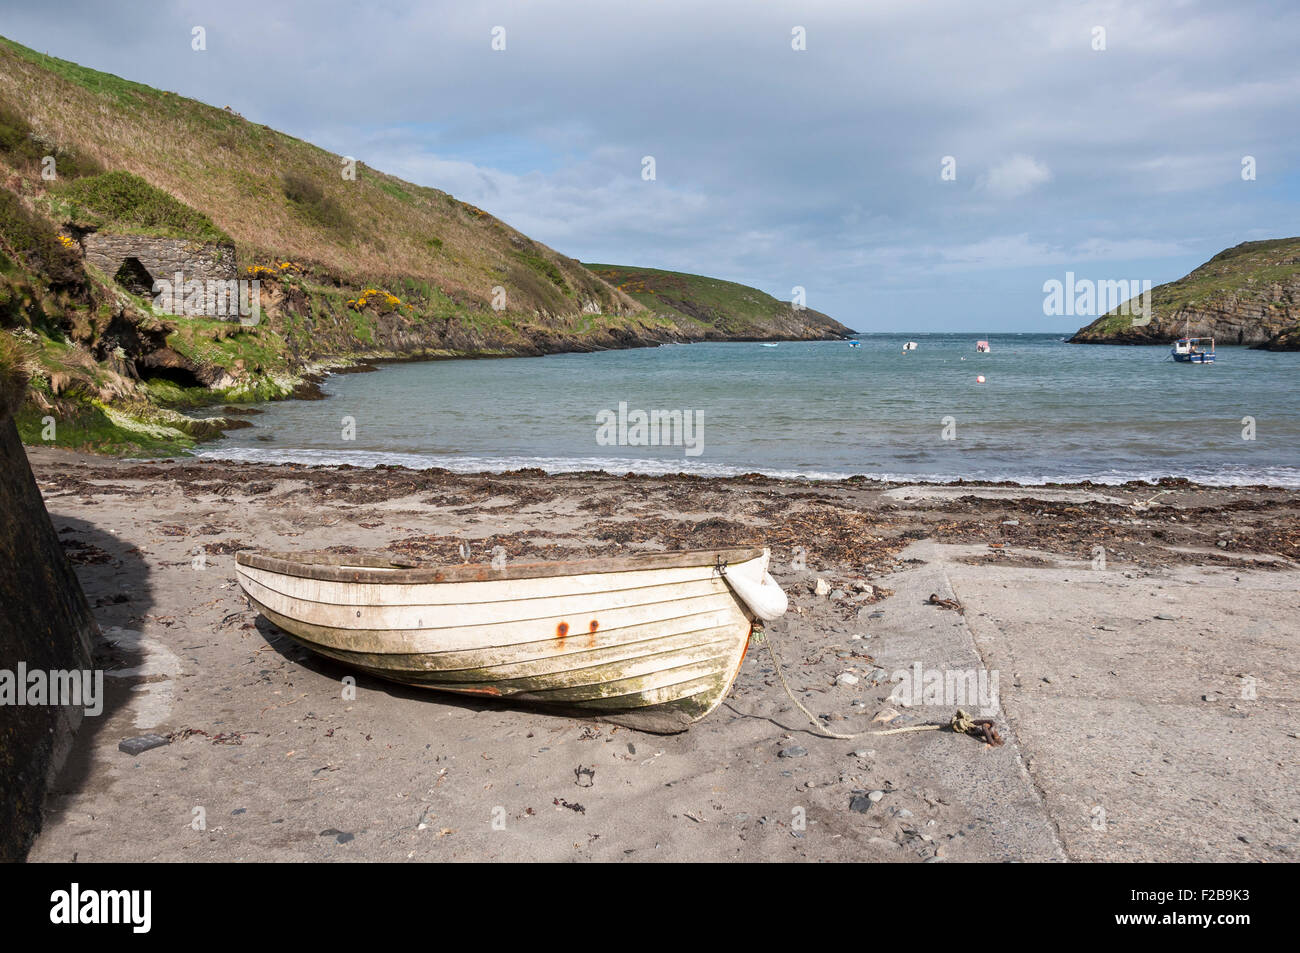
718	309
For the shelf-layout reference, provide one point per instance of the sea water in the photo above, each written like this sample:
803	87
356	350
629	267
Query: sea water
1047	411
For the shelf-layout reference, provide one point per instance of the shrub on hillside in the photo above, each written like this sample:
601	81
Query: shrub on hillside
123	201
545	268
312	201
16	367
35	243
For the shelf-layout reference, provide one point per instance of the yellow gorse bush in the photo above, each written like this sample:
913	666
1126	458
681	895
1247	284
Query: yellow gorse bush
279	268
375	294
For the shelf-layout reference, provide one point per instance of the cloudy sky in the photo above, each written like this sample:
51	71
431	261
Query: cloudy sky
777	167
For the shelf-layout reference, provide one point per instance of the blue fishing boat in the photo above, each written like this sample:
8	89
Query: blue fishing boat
1193	351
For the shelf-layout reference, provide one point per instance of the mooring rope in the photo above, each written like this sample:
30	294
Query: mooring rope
822	729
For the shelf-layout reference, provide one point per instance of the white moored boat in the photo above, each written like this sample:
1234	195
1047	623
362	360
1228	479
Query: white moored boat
650	641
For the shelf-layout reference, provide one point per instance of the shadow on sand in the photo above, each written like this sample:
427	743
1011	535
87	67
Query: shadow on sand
292	651
115	580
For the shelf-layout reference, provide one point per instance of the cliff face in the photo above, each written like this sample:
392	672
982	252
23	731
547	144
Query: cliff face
1248	294
1288	340
45	626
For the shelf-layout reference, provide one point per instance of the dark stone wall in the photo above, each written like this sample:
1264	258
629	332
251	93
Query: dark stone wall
44	622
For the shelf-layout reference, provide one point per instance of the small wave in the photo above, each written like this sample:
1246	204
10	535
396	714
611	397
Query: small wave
480	464
1288	477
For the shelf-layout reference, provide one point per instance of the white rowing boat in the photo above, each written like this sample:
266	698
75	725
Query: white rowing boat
650	641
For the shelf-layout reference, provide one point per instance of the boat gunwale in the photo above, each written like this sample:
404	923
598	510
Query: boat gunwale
377	569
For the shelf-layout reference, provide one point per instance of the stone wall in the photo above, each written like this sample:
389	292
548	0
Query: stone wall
46	625
161	257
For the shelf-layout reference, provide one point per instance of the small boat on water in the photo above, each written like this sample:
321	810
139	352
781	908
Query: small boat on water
1193	351
767	345
651	641
909	346
855	344
982	347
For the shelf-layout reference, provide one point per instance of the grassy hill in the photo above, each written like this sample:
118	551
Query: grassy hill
1248	294
282	198
718	309
352	266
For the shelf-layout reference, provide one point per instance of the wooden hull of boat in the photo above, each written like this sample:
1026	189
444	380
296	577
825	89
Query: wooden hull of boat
653	642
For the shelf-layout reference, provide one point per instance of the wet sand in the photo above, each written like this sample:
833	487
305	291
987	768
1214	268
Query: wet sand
1147	687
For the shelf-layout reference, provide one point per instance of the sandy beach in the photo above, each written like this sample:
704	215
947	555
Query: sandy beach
1143	641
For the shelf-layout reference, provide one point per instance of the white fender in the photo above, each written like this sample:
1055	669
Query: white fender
766	599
